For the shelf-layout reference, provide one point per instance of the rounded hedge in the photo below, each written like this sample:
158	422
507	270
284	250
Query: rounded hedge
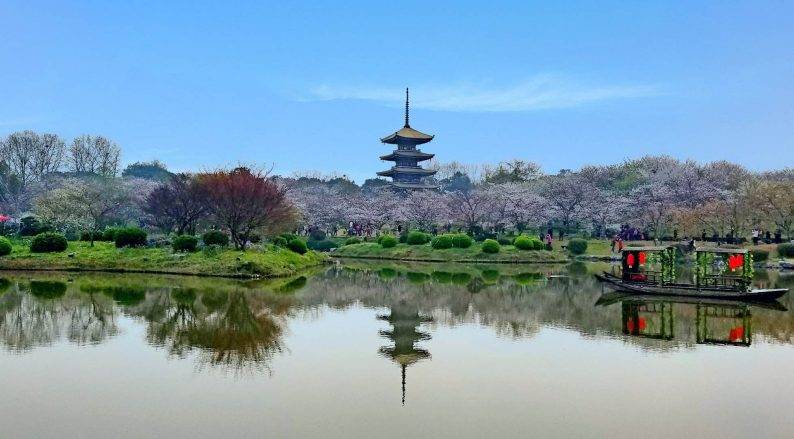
504	240
184	243
785	250
109	234
317	235
323	246
298	246
417	238
352	240
5	246
577	246
280	241
759	255
387	241
130	237
462	240
441	242
215	237
525	242
490	246
48	242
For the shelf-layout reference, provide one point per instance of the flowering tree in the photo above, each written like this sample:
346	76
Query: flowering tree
423	209
244	201
177	204
94	155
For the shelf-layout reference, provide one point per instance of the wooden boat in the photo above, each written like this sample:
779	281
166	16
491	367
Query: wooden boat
655	275
614	297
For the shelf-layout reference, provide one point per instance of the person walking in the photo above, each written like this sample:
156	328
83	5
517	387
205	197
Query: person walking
549	241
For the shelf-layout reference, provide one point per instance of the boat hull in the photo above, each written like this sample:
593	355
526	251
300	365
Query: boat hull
753	295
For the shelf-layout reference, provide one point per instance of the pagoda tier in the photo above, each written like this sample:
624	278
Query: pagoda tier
406	172
397	154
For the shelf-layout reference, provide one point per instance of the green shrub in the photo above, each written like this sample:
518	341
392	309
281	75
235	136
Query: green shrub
785	250
441	242
504	240
525	242
5	246
298	246
130	237
323	246
462	240
403	238
184	243
31	226
289	236
109	234
317	235
215	237
416	237
759	255
48	242
352	240
577	246
490	246
279	241
387	241
86	236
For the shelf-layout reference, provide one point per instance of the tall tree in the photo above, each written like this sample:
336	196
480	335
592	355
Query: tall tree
244	201
94	155
177	205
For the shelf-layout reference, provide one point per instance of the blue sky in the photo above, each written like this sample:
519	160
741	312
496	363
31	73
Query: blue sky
314	86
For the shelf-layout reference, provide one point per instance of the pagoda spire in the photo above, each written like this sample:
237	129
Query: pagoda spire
406	108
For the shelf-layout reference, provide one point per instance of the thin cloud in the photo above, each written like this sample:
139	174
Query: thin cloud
539	93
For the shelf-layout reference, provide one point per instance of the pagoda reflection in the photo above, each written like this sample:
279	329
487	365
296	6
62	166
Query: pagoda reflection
405	333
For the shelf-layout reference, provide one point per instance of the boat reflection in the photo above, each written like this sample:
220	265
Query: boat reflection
717	322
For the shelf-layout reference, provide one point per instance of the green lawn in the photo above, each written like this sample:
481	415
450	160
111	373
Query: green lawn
104	256
507	253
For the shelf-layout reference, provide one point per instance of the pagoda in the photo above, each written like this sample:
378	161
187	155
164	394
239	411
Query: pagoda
405	321
406	172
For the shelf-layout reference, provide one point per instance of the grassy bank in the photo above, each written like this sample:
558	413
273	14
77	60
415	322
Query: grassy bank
104	256
404	252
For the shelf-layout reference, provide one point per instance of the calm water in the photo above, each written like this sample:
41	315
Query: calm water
386	351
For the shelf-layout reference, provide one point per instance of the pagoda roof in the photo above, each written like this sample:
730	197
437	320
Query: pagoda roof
405	170
420	185
407	134
408	154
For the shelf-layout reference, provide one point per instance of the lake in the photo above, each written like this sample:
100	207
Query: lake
366	350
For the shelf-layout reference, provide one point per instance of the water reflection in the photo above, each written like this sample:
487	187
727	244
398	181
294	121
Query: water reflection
240	326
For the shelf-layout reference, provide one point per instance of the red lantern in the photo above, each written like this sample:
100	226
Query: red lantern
642	258
630	260
736	334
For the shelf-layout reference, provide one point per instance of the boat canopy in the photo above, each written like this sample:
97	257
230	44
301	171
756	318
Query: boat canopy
732	251
658	248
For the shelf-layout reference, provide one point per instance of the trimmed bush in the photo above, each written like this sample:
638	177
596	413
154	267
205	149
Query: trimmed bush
441	242
5	246
759	255
86	236
31	226
577	246
462	240
130	237
490	246
279	241
387	241
298	246
785	250
109	234
352	240
504	240
48	242
323	246
289	236
417	238
215	237
525	242
317	235
184	243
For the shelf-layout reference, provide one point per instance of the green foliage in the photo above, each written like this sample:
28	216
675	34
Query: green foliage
490	275
323	246
417	277
185	243
298	246
184	296
462	240
387	273
153	170
785	250
352	240
130	237
504	240
415	237
5	246
317	235
760	255
289	236
577	246
44	289
442	277
279	241
441	242
109	234
31	226
525	242
387	241
214	299
490	246
48	242
215	237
